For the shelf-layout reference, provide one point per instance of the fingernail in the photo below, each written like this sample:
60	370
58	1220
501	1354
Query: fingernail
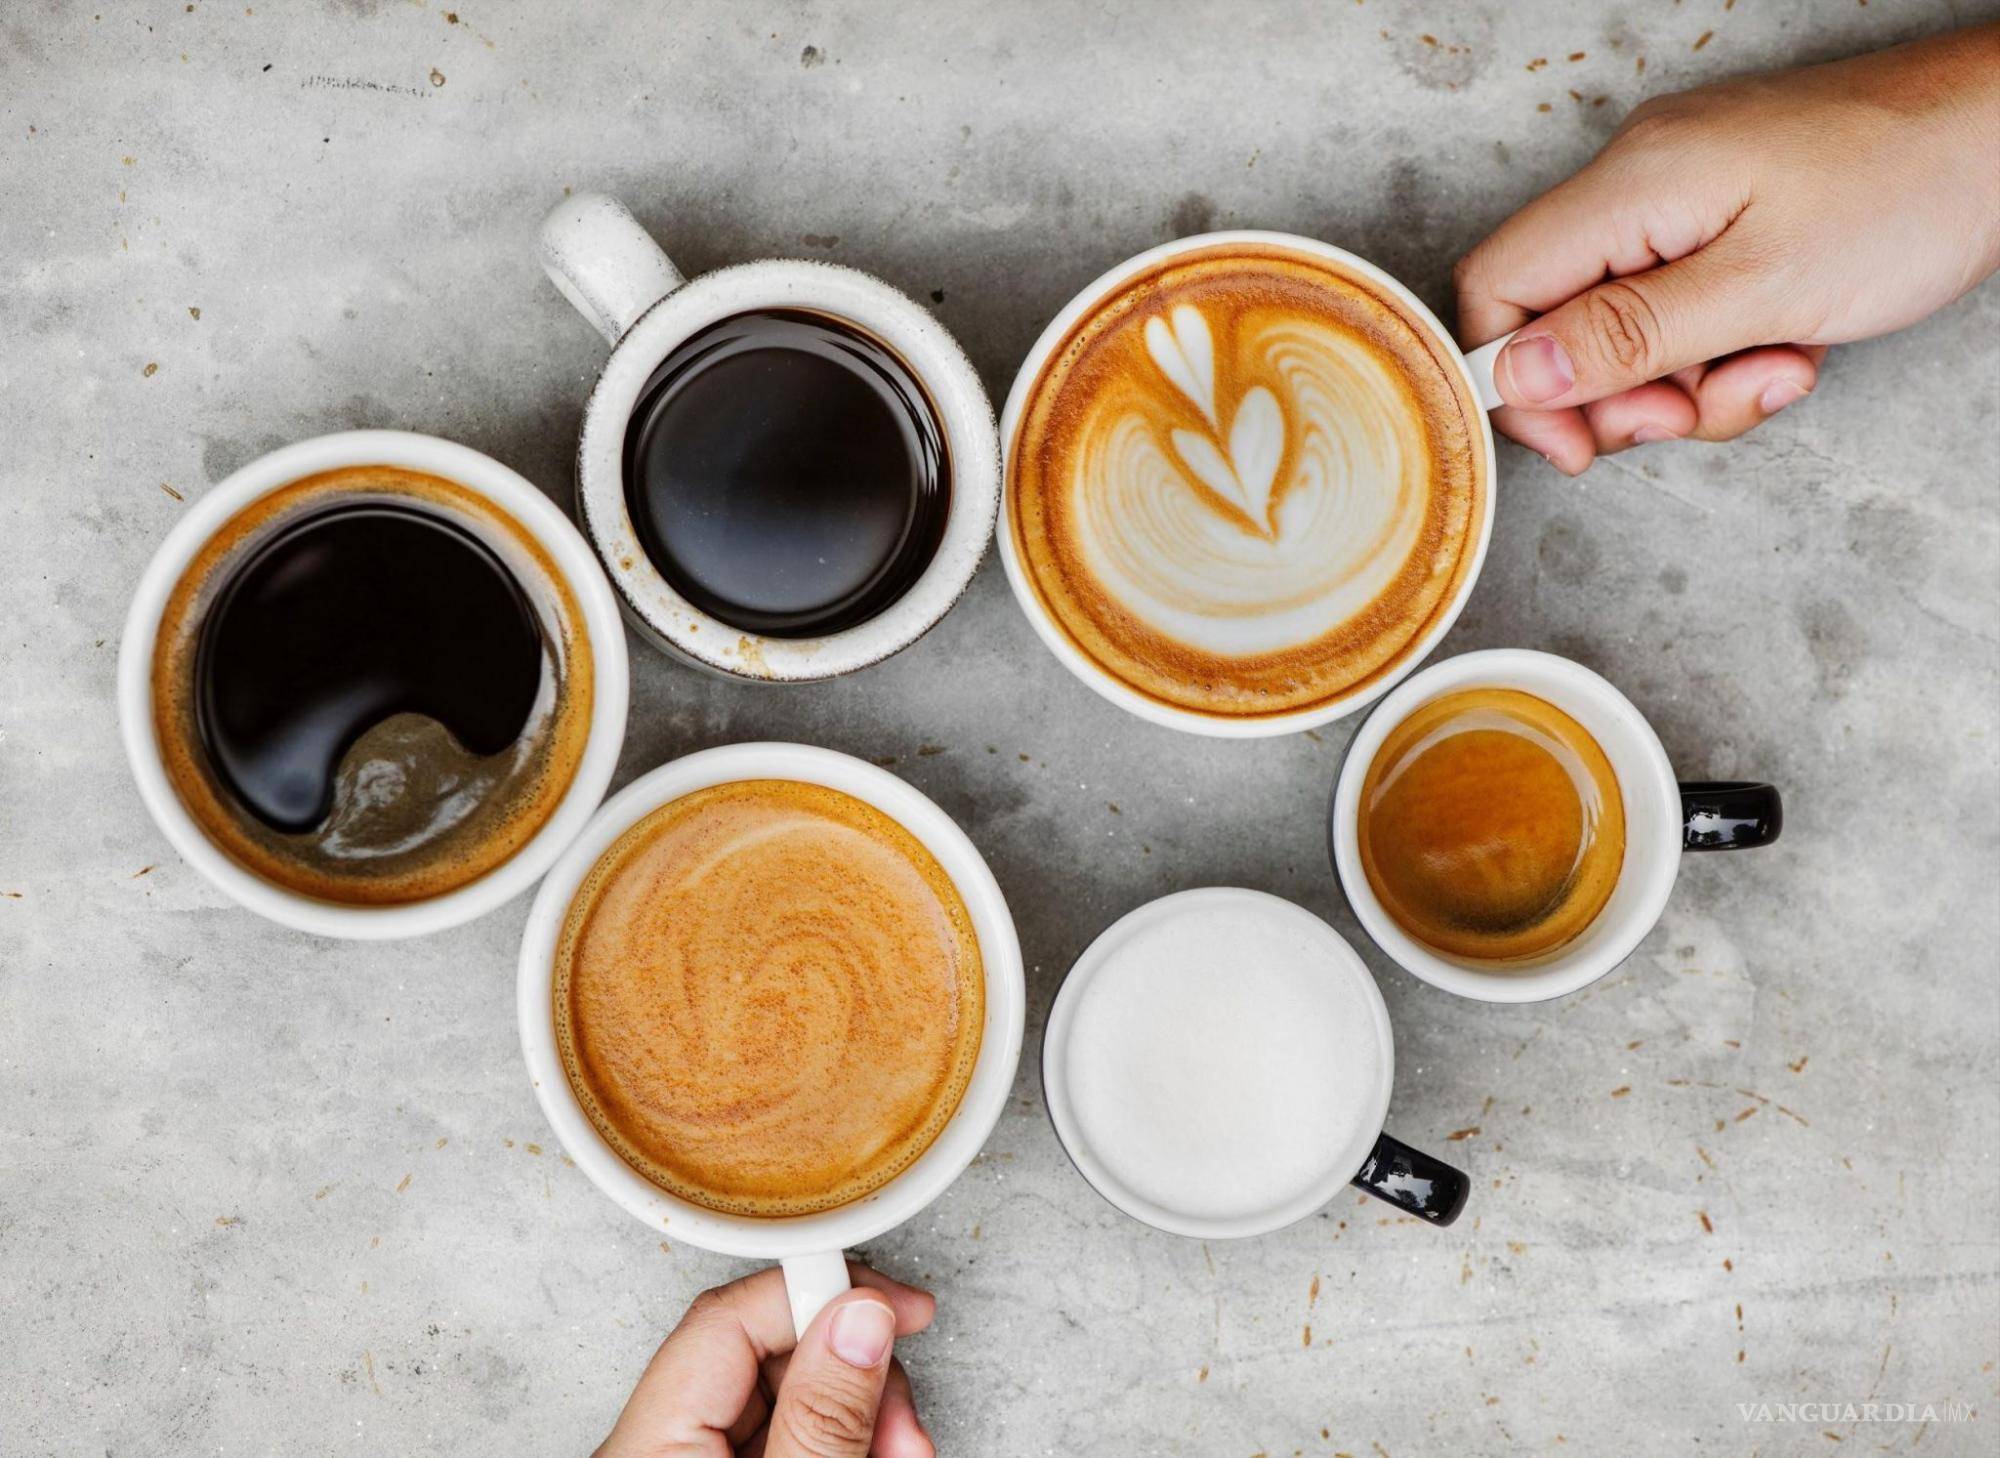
1539	368
1652	435
860	1333
1778	394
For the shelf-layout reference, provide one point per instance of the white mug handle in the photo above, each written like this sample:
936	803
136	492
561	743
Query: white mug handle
604	262
810	1282
1479	364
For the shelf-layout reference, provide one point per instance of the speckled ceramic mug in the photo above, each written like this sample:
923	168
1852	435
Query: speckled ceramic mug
618	278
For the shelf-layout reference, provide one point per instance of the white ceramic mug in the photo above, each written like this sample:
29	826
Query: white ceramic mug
618	278
1371	1160
1476	368
536	515
809	1246
1663	817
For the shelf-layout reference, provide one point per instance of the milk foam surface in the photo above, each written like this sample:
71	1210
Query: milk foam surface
1248	483
1220	1059
1286	559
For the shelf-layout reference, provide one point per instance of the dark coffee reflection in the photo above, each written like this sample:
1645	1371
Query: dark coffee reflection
786	474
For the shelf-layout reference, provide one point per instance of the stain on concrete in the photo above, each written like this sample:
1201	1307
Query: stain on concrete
1836	641
1567	553
1194	213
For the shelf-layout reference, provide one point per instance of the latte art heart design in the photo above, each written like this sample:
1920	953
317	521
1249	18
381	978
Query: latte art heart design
1246	484
1245	474
1273	522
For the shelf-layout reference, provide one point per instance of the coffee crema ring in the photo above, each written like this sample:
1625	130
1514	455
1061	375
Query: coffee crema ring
1492	826
1247	484
335	734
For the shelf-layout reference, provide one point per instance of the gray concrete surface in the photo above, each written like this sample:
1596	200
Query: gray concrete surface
261	1193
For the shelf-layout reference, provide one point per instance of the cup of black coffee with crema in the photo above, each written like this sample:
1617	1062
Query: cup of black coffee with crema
372	684
788	469
1507	825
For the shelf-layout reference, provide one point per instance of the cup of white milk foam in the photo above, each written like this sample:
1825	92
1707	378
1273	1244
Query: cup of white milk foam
1218	1063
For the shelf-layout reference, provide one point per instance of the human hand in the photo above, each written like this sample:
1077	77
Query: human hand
729	1381
1689	280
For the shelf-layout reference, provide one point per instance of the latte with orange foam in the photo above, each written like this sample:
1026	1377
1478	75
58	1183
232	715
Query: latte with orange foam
769	997
1248	483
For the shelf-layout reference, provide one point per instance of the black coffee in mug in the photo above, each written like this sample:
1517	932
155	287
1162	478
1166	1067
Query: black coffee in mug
371	686
786	473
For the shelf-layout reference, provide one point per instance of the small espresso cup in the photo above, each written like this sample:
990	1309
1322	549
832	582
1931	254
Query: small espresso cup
618	278
1367	1157
809	1246
534	514
1473	369
1663	818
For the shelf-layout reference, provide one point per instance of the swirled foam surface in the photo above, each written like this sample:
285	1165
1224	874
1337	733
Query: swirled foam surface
769	997
1247	483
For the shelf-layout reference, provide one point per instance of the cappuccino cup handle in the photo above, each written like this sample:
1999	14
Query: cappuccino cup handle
1479	364
810	1282
1414	1182
1729	814
607	265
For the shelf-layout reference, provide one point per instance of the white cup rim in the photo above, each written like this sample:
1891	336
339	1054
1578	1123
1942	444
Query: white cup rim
985	1097
1342	1164
478	473
964	416
1108	685
1651	862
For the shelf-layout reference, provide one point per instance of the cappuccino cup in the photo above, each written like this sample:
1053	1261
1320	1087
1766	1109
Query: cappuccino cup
727	1050
1249	483
371	684
1655	817
788	469
1218	1064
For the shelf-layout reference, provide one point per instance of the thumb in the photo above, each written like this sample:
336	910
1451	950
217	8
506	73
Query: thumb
833	1386
1630	330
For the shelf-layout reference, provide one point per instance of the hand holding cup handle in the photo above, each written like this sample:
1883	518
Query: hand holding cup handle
810	1282
1480	364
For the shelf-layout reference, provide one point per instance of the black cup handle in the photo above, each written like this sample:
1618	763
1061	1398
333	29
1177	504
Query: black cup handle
1412	1181
1729	814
